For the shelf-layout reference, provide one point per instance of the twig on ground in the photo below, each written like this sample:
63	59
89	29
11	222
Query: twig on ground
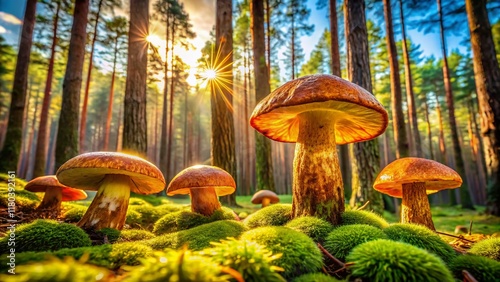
468	277
363	206
458	237
470	227
336	260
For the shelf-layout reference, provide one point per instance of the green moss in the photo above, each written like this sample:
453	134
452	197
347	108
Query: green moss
111	233
482	268
135	235
421	237
300	254
25	201
487	248
180	265
278	214
254	262
384	260
199	237
183	220
74	214
133	201
314	227
315	277
342	240
133	217
363	217
20	183
151	199
45	235
150	214
243	215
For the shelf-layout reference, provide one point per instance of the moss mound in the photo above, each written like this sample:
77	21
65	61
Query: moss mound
314	227
133	201
110	233
363	217
300	254
482	268
135	235
133	218
489	248
182	220
45	235
151	199
342	240
315	277
384	260
74	214
421	237
25	201
150	214
199	237
254	262
277	214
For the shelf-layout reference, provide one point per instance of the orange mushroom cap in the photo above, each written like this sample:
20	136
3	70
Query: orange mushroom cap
199	177
262	194
410	170
43	183
358	115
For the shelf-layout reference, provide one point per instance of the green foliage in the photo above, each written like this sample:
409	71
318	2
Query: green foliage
277	214
315	277
243	215
314	227
342	240
482	268
46	235
138	202
150	214
151	199
299	252
26	201
180	265
20	183
421	237
134	235
183	220
363	217
487	248
199	237
251	260
74	214
111	233
133	217
384	260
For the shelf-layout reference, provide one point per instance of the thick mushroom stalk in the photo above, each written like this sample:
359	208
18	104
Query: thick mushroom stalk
318	189
415	206
51	200
109	207
204	201
265	202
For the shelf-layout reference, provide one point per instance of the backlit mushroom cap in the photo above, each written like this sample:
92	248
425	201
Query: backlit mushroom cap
358	115
86	172
199	177
410	170
262	194
43	183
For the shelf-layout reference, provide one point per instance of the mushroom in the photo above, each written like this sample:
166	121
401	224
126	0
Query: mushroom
319	112
54	191
113	176
412	179
204	184
265	197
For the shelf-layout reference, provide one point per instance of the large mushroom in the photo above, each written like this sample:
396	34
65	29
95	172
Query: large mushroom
55	193
412	179
265	197
204	184
113	176
318	112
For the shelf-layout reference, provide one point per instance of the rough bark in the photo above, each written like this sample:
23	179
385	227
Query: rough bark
415	207
204	201
429	130
135	135
263	165
164	117
487	77
110	99
170	136
13	137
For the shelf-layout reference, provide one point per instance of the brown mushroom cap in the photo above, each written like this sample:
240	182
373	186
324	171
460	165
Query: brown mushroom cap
43	183
199	177
262	194
86	171
358	115
409	170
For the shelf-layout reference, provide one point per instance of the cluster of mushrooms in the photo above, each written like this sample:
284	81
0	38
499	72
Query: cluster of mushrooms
317	112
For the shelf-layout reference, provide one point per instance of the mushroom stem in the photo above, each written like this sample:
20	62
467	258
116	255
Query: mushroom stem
204	201
318	189
51	200
415	206
266	202
109	207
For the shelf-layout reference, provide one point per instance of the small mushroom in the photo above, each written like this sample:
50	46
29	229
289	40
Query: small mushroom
204	184
318	112
265	197
55	192
113	176
412	179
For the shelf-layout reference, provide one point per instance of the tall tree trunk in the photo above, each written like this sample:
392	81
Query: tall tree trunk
457	150
67	132
110	101
429	129
25	168
170	147
223	145
268	38
83	120
25	131
119	129
164	120
293	47
13	137
410	96
263	151
366	159
398	118
487	77
135	135
41	144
